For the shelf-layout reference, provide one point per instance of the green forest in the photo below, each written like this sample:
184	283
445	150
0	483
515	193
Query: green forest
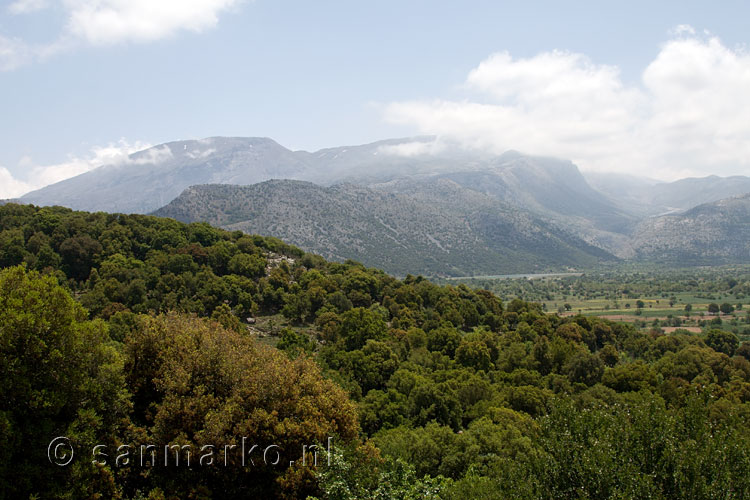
122	330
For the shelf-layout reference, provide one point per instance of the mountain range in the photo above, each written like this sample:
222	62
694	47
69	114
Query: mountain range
420	205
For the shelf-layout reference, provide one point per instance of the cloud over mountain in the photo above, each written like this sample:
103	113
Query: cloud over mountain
690	112
42	175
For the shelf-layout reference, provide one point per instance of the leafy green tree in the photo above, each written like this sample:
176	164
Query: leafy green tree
298	306
744	350
198	384
585	368
79	254
382	410
609	355
445	340
642	450
61	377
359	325
628	377
726	308
373	365
361	474
225	317
434	402
251	266
571	331
340	301
12	250
474	353
722	341
295	343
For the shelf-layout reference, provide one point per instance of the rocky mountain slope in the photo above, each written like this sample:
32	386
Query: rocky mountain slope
553	189
712	233
443	229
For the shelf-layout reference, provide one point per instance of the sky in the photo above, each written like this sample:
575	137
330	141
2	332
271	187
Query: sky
657	89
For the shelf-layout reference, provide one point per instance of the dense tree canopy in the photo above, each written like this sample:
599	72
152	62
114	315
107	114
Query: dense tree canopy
61	376
439	389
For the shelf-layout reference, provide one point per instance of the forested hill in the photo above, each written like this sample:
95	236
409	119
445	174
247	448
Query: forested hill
441	229
128	329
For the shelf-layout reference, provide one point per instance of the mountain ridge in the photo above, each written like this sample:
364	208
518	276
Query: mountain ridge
465	233
692	237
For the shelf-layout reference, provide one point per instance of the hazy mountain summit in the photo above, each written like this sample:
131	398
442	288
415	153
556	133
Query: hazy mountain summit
153	177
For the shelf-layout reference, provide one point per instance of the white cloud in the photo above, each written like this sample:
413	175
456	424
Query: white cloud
10	187
197	153
27	6
112	21
13	53
39	176
689	116
152	156
108	22
414	148
682	29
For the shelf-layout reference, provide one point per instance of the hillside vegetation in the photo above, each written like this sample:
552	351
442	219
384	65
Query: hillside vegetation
133	329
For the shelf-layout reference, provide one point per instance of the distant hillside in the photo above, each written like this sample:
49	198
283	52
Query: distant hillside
648	197
545	185
551	188
687	193
443	230
713	233
630	193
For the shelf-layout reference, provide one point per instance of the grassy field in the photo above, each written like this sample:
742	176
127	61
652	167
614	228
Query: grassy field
616	294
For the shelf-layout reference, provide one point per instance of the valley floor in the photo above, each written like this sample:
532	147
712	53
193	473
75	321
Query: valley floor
646	296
